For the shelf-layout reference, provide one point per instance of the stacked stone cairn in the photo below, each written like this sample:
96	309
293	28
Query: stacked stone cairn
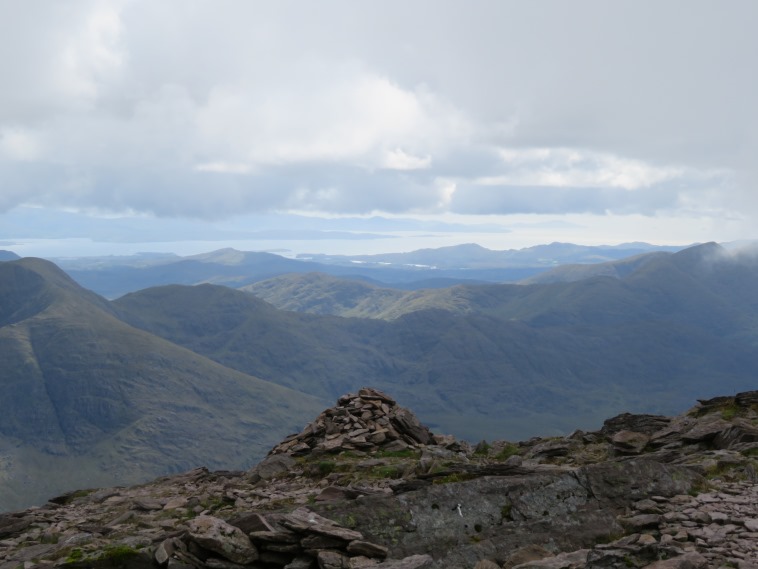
366	422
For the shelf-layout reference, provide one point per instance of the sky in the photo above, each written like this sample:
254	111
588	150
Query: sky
347	127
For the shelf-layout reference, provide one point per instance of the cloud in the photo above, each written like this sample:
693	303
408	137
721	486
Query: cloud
208	109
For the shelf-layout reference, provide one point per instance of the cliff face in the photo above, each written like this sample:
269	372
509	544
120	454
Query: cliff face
365	484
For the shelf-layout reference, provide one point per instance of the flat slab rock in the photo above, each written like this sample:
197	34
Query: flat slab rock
220	537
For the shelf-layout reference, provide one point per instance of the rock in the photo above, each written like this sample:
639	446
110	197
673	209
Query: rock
367	549
706	431
176	503
370	394
751	525
164	551
220	537
629	442
252	522
640	522
553	448
301	562
412	562
406	423
737	433
332	493
569	560
148	504
332	560
336	531
639	423
363	422
360	562
568	505
213	563
486	564
274	465
691	560
314	542
525	554
276	536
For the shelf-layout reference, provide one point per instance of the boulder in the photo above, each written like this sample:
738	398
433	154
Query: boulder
629	442
220	537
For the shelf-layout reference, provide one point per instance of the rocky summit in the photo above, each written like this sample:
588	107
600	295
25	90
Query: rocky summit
366	485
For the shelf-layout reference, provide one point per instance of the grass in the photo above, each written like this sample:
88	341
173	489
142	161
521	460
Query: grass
507	451
482	449
405	453
387	471
75	555
118	553
730	412
452	478
326	467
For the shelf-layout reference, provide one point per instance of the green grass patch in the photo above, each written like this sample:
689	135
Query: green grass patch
387	471
119	553
454	477
75	555
507	451
482	449
326	467
405	453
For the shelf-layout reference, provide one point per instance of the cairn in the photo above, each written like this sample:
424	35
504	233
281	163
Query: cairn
368	421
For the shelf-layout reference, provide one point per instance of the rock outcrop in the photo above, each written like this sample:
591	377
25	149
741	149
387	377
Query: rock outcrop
643	491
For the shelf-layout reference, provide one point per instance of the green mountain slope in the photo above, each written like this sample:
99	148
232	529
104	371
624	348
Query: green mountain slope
96	400
318	293
506	359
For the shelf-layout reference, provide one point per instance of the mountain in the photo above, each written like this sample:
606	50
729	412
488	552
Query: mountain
522	360
100	402
427	268
366	484
318	293
571	272
8	256
472	256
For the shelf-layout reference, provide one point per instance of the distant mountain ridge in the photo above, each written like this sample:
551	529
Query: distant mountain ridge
426	268
504	356
473	256
8	256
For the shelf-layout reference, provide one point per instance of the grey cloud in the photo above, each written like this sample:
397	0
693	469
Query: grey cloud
553	200
669	83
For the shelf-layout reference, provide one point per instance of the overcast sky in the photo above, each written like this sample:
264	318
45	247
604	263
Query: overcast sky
605	121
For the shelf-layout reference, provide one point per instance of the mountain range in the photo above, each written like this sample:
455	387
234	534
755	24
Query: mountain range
176	375
427	268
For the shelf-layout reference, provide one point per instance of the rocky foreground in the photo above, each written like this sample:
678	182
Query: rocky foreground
366	485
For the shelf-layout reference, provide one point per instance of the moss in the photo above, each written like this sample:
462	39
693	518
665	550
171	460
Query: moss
405	453
507	451
118	553
326	467
730	412
454	477
387	471
74	556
